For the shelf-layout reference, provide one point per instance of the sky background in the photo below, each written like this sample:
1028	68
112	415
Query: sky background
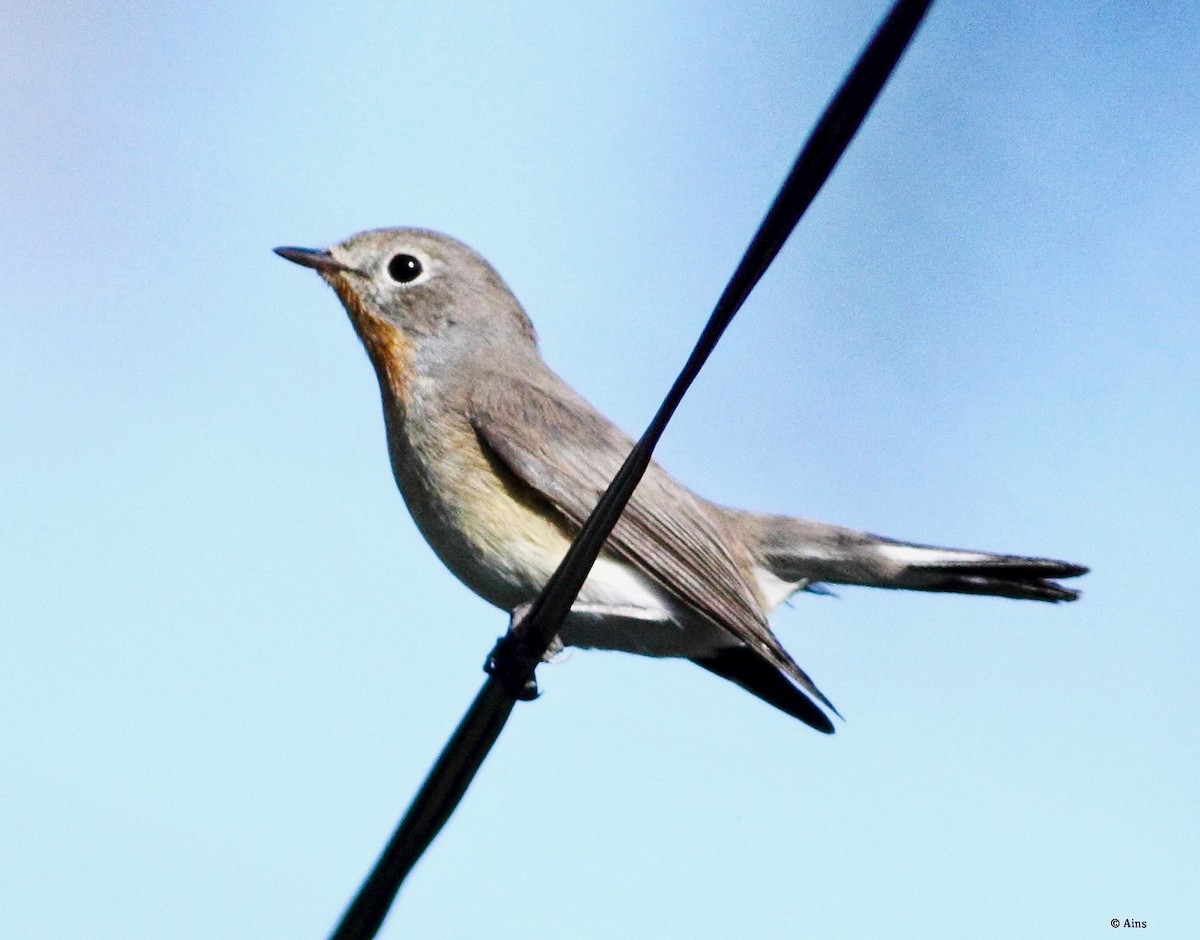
227	658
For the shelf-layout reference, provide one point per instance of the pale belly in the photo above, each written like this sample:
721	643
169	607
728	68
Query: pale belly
503	543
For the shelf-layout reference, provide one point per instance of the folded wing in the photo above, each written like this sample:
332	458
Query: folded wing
557	444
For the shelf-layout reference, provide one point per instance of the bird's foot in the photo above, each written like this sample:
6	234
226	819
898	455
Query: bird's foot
512	660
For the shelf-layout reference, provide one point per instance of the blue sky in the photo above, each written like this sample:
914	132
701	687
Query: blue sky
229	658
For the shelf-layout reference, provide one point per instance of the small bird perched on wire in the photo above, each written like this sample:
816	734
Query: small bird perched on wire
500	462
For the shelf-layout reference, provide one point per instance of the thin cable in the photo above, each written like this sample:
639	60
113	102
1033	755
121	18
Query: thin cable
838	124
518	654
438	797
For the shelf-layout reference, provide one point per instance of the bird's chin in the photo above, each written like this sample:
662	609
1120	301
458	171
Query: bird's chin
388	346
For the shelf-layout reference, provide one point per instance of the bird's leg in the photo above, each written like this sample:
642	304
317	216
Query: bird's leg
512	660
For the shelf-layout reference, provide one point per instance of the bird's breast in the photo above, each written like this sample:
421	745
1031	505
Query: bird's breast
495	534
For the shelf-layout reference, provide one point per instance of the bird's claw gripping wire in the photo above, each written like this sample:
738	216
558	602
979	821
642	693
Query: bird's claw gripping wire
513	659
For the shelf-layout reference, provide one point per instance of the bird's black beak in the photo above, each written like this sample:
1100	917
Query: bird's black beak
322	261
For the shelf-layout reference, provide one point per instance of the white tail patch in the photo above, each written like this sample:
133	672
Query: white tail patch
916	555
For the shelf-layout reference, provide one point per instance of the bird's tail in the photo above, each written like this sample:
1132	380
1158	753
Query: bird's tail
801	551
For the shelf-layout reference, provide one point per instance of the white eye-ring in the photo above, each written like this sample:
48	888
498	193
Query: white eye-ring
407	269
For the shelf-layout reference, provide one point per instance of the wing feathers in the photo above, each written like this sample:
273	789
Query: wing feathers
558	444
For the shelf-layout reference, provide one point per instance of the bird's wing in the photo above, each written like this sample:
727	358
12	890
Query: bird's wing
561	447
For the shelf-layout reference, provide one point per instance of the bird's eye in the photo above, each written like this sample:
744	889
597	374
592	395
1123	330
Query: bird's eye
404	269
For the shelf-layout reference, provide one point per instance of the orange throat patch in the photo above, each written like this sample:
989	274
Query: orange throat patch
390	350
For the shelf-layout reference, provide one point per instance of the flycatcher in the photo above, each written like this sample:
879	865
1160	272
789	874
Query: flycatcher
500	462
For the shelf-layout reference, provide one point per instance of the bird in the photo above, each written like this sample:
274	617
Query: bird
500	462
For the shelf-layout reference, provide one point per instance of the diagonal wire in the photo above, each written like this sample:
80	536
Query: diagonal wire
841	120
529	639
438	797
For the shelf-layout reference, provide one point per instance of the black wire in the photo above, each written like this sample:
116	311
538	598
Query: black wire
841	120
438	797
481	726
